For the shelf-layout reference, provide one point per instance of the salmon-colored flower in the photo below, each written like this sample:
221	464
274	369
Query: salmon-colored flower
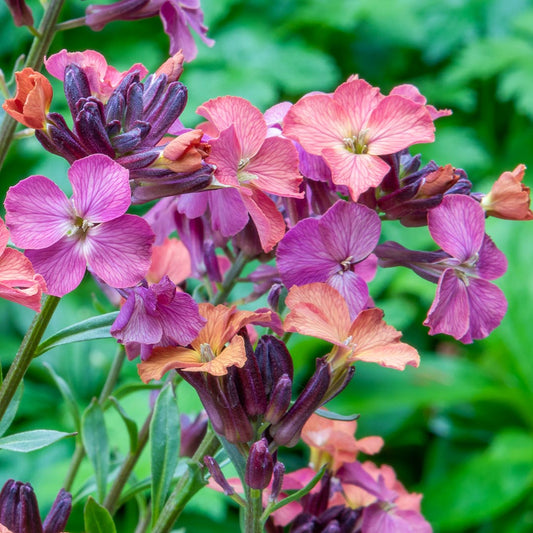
18	281
216	348
509	197
170	259
32	100
318	310
185	153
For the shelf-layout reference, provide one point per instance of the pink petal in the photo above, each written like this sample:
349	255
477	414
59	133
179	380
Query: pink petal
119	251
192	205
101	190
4	236
397	123
267	219
37	212
275	115
317	122
367	268
229	215
492	263
354	290
358	172
226	155
57	63
275	168
359	99
62	265
250	126
175	27
450	311
457	225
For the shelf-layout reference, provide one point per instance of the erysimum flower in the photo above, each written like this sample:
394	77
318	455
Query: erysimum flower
62	236
320	311
18	281
335	249
32	100
355	125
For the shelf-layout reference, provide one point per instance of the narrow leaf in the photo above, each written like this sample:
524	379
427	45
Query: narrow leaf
130	388
66	392
97	327
11	410
330	415
28	441
95	441
97	518
131	426
165	445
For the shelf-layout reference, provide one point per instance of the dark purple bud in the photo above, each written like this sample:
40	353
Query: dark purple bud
57	518
339	380
139	159
22	15
333	527
274	360
154	88
127	142
192	433
211	262
114	109
238	429
97	16
90	128
277	481
259	466
391	181
317	502
273	296
217	475
280	400
409	164
60	140
320	196
19	511
134	105
287	431
76	86
113	128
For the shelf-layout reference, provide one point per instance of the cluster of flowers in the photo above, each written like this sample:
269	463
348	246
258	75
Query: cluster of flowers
305	184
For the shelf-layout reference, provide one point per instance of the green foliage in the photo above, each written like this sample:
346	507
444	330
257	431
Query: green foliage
29	441
97	518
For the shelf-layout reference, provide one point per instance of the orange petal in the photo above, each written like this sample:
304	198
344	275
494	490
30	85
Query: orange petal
164	359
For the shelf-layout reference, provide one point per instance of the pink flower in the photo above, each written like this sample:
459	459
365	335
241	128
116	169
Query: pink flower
355	125
62	236
103	78
18	281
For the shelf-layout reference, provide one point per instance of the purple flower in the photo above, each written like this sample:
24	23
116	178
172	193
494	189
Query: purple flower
466	306
159	315
62	236
335	249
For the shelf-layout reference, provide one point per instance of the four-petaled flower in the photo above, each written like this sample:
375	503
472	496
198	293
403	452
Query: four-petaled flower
63	236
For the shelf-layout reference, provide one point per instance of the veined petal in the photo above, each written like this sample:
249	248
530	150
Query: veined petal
492	262
101	189
302	256
350	231
228	212
62	265
317	122
450	311
377	342
397	123
4	236
119	251
233	355
367	268
358	172
250	126
226	156
164	359
267	219
457	225
318	310
275	167
37	212
353	289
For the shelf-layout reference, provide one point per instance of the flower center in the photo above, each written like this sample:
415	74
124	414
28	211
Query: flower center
206	353
242	175
80	226
345	265
357	144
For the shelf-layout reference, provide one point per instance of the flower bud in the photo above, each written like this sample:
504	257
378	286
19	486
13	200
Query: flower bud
274	360
280	400
217	475
277	481
259	465
192	433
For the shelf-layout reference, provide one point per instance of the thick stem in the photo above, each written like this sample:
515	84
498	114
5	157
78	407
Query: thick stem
38	50
184	490
230	279
25	354
253	512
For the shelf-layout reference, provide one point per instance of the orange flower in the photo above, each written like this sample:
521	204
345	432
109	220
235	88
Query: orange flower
170	259
318	310
216	348
509	197
185	153
32	101
438	182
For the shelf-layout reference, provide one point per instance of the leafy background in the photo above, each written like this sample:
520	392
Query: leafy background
459	428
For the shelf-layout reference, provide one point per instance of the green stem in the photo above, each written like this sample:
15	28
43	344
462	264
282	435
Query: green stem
38	50
111	500
185	488
25	354
230	279
253	512
70	24
75	462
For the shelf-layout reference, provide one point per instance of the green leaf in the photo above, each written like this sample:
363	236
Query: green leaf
11	410
70	402
28	441
485	486
330	415
95	441
97	518
130	388
164	446
97	327
131	426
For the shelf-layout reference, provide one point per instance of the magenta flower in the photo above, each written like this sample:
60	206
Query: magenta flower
62	236
159	315
335	249
355	125
466	306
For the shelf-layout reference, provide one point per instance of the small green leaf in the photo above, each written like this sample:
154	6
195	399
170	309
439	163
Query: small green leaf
165	446
97	327
330	415
97	518
11	410
95	441
28	441
130	388
65	391
131	426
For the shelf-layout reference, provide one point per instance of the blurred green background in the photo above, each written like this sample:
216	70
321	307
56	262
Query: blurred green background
459	428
